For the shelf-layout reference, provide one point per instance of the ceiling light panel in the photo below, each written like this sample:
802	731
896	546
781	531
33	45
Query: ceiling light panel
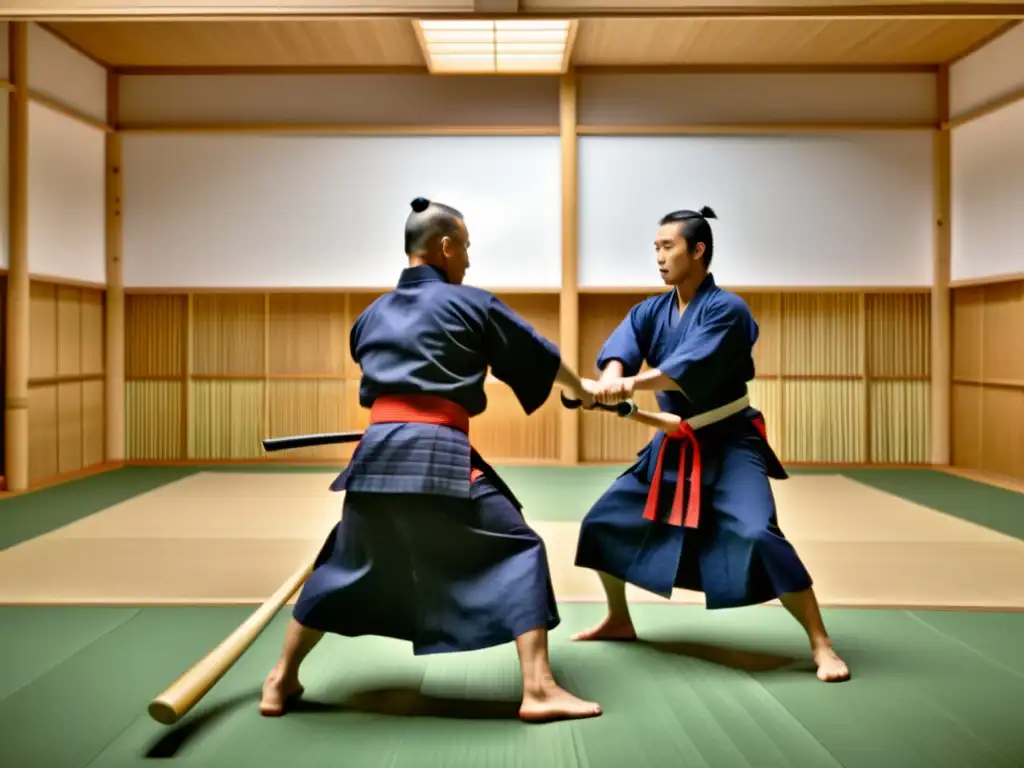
496	47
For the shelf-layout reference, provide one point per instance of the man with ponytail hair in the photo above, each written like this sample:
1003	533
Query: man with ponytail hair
696	510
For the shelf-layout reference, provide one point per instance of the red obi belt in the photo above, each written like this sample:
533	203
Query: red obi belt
690	448
422	409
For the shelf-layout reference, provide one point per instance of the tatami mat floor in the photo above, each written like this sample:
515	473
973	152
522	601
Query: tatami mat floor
218	537
723	689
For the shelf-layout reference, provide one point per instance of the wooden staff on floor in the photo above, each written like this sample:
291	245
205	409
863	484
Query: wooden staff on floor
179	699
171	705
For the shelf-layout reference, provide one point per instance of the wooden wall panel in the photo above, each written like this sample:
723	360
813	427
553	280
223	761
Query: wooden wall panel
154	420
308	334
966	426
841	377
503	431
155	344
822	335
898	352
308	359
274	364
822	405
900	415
227	335
1003	338
823	422
988	376
226	418
156	329
226	391
307	406
66	361
604	438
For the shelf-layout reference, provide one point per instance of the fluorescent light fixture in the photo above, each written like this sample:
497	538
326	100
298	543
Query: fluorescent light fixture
496	47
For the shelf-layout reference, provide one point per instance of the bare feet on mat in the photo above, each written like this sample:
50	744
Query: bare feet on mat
831	668
277	693
550	703
609	629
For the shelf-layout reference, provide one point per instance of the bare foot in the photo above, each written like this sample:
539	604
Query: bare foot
609	629
551	703
277	692
831	668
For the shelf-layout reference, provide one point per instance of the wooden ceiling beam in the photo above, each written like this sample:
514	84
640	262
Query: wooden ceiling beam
138	10
695	69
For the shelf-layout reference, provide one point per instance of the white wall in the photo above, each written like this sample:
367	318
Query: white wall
66	164
988	195
62	73
66	197
688	99
987	163
810	210
228	210
364	99
247	210
993	71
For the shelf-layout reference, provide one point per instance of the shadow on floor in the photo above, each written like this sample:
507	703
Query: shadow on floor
394	702
734	658
407	701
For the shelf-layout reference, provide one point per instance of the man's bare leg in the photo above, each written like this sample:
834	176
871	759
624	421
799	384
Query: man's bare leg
282	684
618	624
804	607
543	699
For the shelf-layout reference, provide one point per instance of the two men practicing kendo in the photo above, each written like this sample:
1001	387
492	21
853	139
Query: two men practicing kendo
432	546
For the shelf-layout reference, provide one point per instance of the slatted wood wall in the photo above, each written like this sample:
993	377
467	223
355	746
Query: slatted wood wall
842	377
988	378
66	384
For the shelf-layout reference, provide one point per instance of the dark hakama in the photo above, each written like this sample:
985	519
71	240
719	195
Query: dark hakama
735	553
432	546
445	574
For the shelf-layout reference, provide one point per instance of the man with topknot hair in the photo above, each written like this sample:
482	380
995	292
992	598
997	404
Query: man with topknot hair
696	510
432	547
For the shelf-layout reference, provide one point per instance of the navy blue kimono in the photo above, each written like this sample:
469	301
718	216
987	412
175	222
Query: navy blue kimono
432	546
736	555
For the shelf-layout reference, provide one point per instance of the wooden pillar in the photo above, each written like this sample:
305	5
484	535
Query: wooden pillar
942	343
17	363
114	329
568	305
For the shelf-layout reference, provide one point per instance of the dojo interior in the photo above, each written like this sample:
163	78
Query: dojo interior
193	212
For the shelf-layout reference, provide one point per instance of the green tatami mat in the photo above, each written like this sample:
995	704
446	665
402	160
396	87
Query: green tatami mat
715	689
558	494
996	508
28	515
